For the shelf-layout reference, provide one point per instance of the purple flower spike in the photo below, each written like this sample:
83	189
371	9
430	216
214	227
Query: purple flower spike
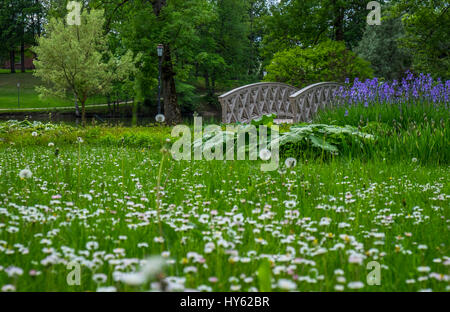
411	89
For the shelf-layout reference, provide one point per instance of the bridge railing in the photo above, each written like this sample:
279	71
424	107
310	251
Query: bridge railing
307	101
255	100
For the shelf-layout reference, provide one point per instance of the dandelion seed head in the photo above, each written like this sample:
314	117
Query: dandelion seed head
290	162
25	173
265	154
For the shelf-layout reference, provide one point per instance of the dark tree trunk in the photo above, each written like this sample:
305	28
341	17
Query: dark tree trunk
338	22
77	108
134	114
171	109
12	61
22	57
207	85
109	106
83	112
158	5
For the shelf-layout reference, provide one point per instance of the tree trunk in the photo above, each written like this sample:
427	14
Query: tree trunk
12	61
207	85
108	99
158	5
338	22
83	112
134	114
22	57
77	108
171	109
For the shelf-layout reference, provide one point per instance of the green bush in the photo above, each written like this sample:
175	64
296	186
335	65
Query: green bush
328	61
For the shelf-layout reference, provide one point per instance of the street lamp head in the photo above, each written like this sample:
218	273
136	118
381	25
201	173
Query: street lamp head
160	118
160	49
18	85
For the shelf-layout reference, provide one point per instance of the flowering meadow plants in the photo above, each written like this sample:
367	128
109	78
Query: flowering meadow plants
412	89
412	99
410	118
109	209
134	219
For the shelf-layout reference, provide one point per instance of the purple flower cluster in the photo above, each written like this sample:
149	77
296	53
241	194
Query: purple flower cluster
411	89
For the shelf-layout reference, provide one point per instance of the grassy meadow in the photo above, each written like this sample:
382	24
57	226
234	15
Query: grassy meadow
222	225
29	98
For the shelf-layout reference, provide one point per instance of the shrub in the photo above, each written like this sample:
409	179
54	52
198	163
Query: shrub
302	140
328	61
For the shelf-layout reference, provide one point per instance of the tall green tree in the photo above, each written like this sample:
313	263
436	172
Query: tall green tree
232	35
427	37
74	59
257	10
381	47
307	22
177	24
19	23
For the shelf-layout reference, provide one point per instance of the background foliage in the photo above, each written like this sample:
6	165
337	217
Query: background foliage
216	45
328	61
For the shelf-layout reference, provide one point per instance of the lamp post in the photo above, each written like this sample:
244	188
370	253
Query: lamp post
18	94
160	50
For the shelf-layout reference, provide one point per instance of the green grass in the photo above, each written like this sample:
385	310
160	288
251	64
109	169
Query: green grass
403	132
8	71
306	221
398	115
28	96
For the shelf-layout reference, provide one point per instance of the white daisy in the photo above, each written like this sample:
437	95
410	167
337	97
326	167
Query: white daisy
355	285
286	284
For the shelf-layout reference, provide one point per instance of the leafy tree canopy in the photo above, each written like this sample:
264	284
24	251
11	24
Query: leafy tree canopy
381	47
327	61
427	25
75	59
